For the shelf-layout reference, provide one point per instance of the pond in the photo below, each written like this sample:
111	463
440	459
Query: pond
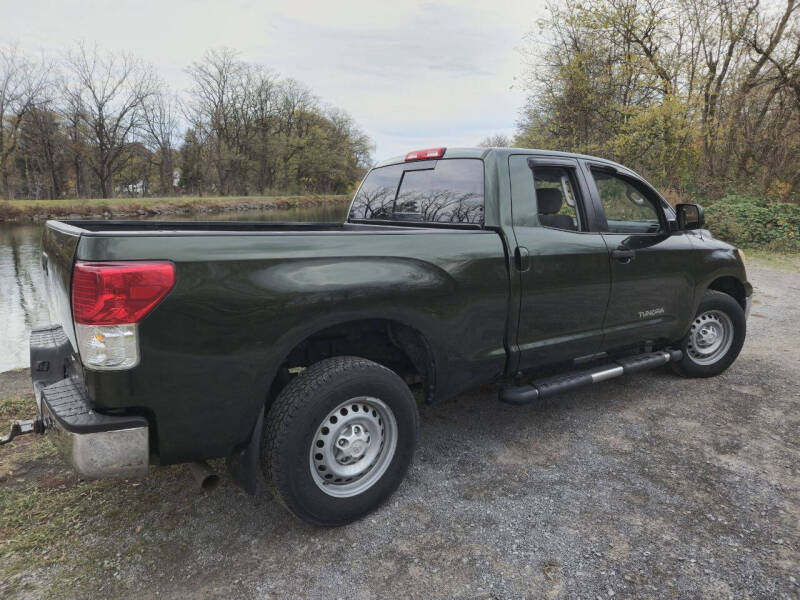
23	304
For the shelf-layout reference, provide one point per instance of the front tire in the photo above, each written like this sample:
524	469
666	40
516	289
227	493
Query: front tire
339	439
715	337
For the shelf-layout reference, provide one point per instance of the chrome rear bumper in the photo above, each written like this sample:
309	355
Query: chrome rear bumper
96	445
101	454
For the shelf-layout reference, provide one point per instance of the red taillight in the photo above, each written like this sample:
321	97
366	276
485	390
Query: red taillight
115	293
425	154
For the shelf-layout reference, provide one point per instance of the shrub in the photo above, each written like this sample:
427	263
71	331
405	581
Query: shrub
753	223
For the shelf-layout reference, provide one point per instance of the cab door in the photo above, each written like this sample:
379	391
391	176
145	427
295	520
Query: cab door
651	285
561	260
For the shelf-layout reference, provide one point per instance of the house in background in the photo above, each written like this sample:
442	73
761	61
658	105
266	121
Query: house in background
133	189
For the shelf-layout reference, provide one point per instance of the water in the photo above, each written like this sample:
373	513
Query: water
23	304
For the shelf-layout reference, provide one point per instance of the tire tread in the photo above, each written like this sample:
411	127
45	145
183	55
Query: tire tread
281	417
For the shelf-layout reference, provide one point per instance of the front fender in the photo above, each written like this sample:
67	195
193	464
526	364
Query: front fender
717	259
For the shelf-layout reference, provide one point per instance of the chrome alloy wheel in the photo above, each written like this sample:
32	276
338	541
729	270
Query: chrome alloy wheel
710	337
353	446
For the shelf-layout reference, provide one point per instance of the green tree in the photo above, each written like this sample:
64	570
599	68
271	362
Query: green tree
697	95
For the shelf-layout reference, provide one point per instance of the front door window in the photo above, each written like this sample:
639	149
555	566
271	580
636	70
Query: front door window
627	209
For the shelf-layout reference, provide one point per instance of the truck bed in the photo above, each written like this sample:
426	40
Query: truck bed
248	295
103	227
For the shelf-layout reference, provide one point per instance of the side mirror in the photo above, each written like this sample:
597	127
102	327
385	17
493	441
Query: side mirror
690	216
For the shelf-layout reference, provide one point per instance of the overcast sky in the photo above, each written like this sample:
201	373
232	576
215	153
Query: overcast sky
412	74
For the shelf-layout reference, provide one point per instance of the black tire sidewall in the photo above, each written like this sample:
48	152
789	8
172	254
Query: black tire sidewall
297	487
722	302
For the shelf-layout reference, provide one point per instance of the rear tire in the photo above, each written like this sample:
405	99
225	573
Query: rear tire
339	439
715	337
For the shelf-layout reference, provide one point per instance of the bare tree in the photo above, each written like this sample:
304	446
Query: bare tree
73	117
212	106
497	140
21	85
42	145
297	102
263	98
110	92
160	120
106	120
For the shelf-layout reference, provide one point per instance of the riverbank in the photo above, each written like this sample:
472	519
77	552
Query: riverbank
30	211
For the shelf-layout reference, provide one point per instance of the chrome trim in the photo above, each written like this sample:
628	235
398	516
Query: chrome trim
607	374
121	453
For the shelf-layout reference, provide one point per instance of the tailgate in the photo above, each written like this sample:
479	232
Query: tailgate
59	244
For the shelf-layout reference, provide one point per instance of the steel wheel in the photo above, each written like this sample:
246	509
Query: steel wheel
353	446
710	337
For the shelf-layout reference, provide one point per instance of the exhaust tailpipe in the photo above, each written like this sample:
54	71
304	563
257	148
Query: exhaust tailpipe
205	476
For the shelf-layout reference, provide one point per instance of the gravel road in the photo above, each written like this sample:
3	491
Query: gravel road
650	486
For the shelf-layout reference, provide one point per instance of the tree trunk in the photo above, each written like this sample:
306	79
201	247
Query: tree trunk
105	184
78	183
165	172
6	184
55	187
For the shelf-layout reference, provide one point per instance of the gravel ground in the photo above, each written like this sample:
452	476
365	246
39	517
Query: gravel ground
650	486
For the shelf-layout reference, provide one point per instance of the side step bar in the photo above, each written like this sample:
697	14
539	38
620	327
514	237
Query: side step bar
550	386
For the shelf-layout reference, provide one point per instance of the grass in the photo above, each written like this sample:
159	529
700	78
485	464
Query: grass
779	260
31	210
14	407
82	529
59	534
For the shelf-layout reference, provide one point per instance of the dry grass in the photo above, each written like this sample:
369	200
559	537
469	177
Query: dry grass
766	258
78	532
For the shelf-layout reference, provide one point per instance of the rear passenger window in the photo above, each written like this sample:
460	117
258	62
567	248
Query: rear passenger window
556	202
627	209
442	191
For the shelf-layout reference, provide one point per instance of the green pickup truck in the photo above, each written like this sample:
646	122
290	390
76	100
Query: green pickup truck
298	351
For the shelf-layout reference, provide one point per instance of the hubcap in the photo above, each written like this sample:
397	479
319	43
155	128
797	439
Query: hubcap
353	446
710	337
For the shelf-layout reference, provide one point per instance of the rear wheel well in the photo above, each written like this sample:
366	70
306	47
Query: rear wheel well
390	343
731	286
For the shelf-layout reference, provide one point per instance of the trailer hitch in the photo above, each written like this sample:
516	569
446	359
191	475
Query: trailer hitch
23	427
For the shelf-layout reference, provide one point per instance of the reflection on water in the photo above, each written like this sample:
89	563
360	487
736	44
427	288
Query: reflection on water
23	304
